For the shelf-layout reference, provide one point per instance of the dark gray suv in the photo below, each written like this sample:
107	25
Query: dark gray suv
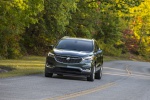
75	56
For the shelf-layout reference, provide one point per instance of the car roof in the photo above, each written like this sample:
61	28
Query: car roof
74	38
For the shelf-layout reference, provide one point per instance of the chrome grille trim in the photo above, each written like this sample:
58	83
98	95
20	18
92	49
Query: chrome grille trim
63	59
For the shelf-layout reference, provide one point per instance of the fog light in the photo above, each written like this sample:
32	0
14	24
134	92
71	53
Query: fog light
87	70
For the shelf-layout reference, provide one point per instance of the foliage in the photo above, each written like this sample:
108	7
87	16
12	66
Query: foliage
29	26
50	28
84	20
15	15
140	25
57	15
130	41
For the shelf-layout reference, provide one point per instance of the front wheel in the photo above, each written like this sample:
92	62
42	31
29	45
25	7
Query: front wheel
98	74
48	74
92	76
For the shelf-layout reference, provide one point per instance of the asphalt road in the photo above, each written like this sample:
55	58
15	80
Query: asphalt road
122	80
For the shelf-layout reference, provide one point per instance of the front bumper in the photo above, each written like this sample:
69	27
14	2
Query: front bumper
82	68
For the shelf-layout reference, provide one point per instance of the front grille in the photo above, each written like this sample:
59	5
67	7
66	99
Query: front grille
66	70
66	59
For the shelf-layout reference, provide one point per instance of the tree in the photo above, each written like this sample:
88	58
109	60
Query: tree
140	24
15	15
57	15
85	19
114	20
50	27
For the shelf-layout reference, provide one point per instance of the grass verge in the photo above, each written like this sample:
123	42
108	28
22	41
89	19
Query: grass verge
25	66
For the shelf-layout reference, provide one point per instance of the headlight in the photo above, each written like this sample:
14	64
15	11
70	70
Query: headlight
88	58
50	54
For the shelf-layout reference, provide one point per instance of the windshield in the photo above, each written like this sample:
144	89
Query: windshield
75	45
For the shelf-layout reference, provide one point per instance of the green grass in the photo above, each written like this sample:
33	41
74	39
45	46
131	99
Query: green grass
126	57
25	66
111	58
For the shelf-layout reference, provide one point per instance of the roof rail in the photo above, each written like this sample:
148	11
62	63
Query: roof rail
66	36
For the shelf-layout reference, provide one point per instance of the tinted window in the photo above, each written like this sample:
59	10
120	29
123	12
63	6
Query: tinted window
75	45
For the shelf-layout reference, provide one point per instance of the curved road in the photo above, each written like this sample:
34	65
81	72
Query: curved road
122	80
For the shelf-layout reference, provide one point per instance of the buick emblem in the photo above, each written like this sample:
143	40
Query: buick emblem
68	58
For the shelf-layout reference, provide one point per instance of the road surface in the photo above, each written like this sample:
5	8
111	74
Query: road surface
122	80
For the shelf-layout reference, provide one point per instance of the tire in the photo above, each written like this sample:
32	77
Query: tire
98	74
92	76
48	74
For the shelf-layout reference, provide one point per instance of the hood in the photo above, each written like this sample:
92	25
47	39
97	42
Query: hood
71	53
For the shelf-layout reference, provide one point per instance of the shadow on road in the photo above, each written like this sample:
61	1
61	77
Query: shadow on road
68	77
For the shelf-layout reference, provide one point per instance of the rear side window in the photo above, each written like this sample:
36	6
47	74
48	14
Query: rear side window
75	45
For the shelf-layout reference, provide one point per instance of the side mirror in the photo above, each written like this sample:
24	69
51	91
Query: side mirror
99	51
